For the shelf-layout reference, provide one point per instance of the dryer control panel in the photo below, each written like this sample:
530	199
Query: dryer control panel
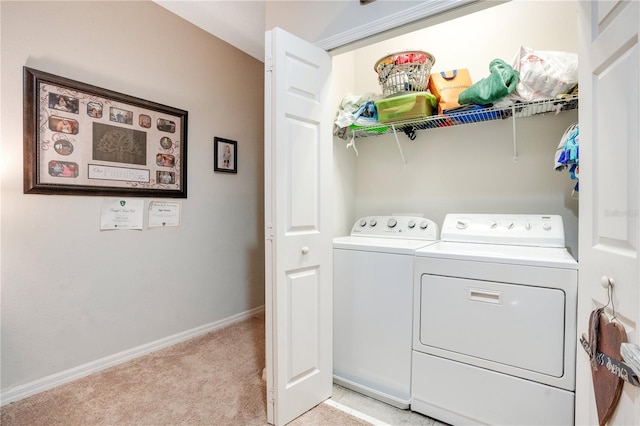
406	227
510	229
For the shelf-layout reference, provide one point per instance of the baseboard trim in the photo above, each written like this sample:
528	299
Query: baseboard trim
28	389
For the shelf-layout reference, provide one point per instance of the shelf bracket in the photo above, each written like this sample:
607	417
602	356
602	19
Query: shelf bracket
515	138
395	133
352	143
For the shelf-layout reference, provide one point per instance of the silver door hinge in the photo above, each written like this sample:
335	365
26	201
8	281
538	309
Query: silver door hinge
268	64
271	396
269	232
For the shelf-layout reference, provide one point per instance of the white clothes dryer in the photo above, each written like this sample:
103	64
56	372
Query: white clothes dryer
495	324
373	305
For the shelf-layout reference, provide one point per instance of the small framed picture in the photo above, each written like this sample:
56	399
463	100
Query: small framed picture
225	155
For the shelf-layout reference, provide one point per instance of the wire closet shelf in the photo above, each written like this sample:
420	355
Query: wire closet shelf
517	110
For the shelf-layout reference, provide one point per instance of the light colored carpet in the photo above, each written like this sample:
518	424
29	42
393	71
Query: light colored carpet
214	379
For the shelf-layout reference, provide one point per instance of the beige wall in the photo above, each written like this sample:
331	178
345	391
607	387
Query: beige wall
72	294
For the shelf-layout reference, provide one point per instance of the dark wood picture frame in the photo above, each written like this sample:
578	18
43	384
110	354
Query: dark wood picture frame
80	139
225	155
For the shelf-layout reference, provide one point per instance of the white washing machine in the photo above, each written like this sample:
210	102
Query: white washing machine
495	324
373	305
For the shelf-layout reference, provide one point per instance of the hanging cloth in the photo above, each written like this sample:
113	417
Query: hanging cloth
568	153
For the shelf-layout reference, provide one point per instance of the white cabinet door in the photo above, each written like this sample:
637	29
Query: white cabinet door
298	240
609	184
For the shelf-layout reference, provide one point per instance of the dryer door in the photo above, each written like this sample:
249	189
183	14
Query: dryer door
513	325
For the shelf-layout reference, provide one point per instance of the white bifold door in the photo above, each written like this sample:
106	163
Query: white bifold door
609	186
298	233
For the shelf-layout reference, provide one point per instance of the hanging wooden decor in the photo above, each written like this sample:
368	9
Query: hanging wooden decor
608	370
605	337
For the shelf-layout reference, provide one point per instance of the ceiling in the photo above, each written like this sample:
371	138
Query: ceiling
239	23
242	23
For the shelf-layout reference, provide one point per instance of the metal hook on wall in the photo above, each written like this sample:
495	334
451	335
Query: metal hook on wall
608	283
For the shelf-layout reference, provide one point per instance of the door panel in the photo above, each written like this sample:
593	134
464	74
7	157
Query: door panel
298	249
609	185
616	230
302	302
302	197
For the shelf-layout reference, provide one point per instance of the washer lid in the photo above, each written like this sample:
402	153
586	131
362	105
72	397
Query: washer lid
380	245
553	257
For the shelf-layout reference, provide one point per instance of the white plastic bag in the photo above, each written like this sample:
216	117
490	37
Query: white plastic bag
544	74
350	110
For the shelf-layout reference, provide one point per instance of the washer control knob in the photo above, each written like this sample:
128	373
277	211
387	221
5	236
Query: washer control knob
462	224
546	226
411	224
493	224
363	222
510	225
527	225
391	223
373	222
424	224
